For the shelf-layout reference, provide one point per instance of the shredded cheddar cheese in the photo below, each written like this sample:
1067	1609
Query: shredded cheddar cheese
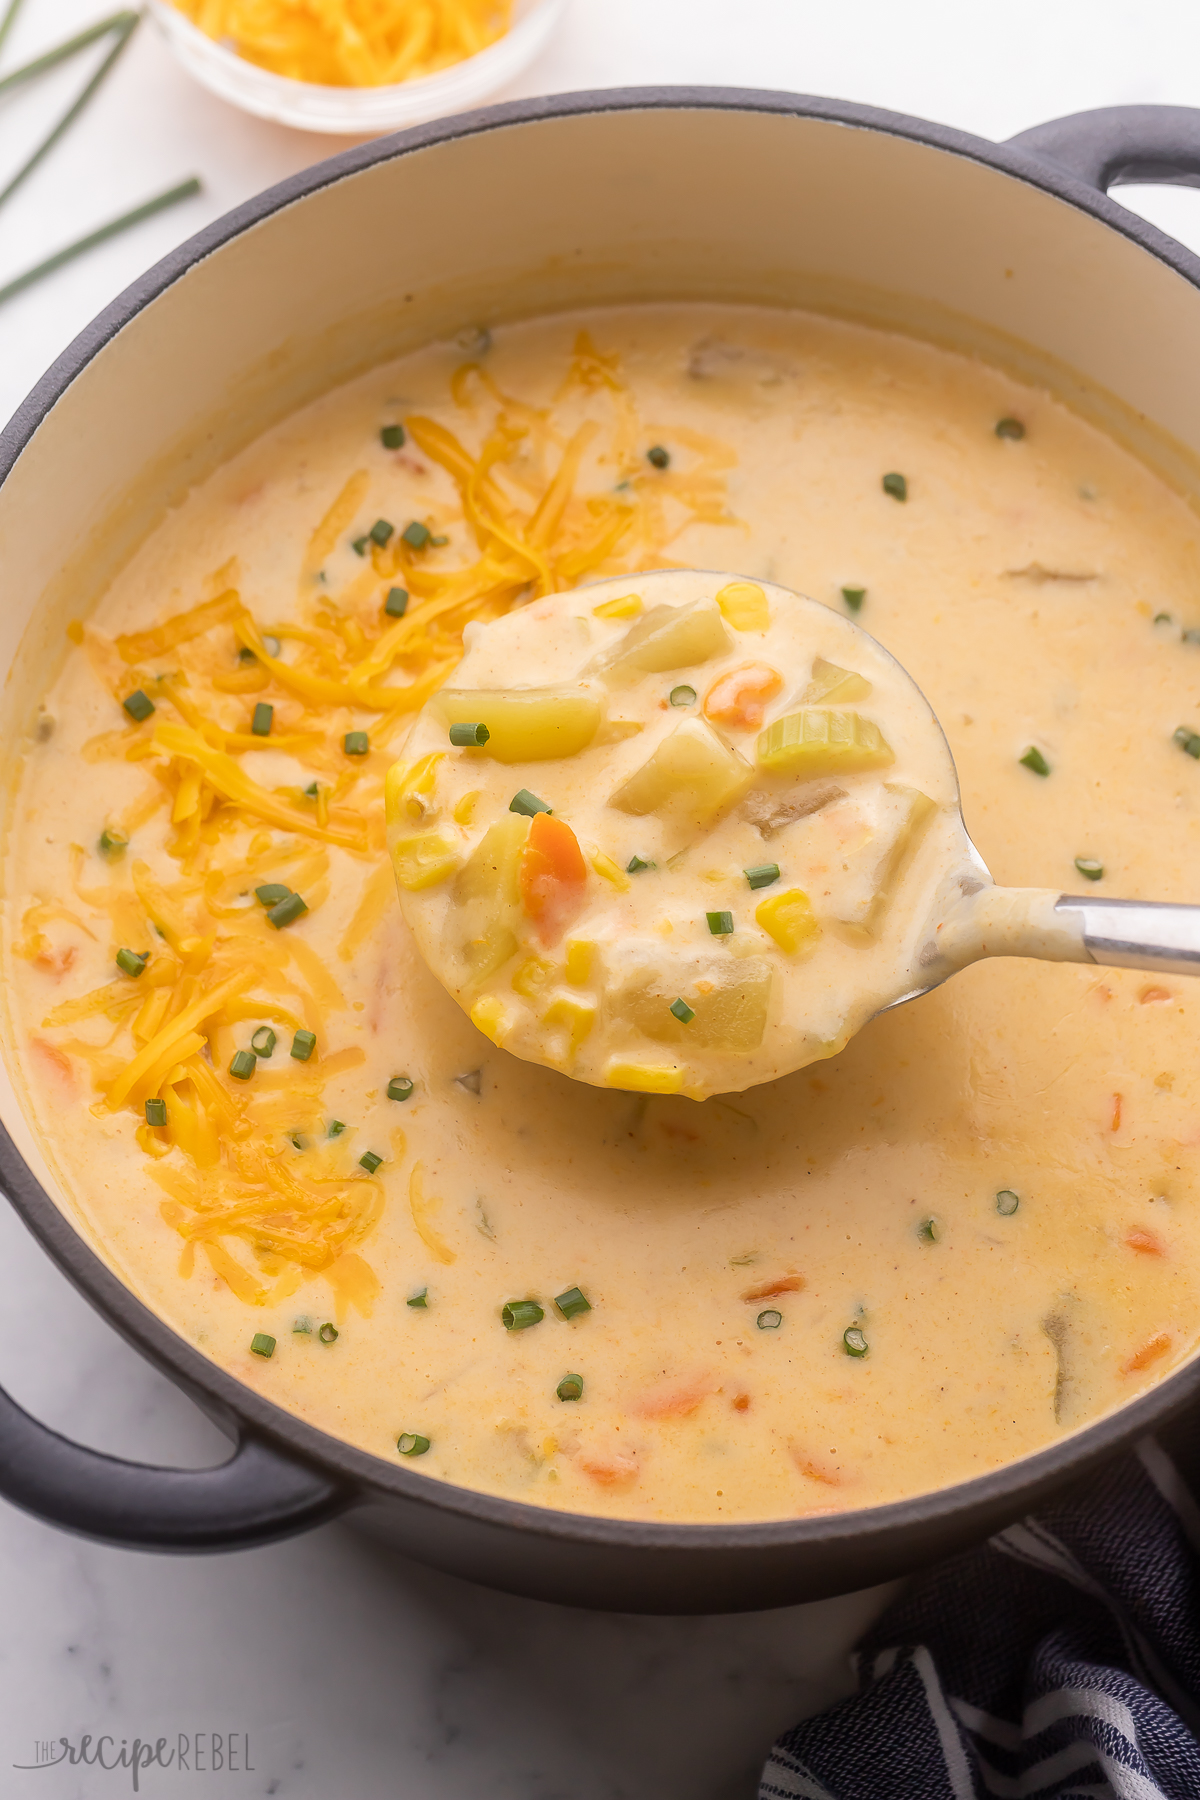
247	1169
352	43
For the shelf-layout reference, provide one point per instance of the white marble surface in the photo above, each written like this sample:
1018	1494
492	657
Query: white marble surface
357	1676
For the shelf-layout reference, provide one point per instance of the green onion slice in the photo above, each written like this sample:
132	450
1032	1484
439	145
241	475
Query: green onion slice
682	1011
762	874
720	923
529	804
420	1298
271	892
356	743
411	1443
519	1315
263	1042
243	1065
369	1161
1033	759
263	719
769	1320
262	1345
1188	740
336	1128
1089	868
359	545
929	1230
392	437
570	1388
381	531
399	1088
854	1342
683	695
286	912
113	841
156	1112
132	962
1007	1202
854	597
658	457
302	1328
636	864
1010	428
396	604
416	535
469	737
138	705
328	1333
303	1045
896	486
572	1302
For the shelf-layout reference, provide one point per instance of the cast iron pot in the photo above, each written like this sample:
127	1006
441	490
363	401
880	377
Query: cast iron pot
671	193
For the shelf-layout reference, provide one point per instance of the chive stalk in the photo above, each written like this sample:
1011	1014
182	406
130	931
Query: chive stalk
369	1161
411	1443
572	1302
396	604
328	1333
113	842
770	1320
356	743
519	1315
263	1041
419	1299
381	531
762	874
156	1112
416	535
854	598
1090	868
683	695
469	737
303	1045
570	1388
854	1341
1007	1202
138	705
271	893
682	1011
399	1088
286	912
243	1065
262	1345
529	804
132	962
896	485
264	718
636	864
720	924
657	457
1033	759
1010	428
392	437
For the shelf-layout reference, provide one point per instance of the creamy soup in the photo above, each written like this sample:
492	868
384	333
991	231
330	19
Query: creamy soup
968	1233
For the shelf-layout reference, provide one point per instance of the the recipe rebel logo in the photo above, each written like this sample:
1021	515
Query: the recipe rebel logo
197	1753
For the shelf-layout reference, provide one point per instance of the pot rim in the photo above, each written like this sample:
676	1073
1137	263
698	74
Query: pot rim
236	1404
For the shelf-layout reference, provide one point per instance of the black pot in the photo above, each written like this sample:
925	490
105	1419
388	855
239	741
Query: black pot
622	195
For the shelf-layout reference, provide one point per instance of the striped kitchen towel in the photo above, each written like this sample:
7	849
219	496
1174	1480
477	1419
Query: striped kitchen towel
1060	1660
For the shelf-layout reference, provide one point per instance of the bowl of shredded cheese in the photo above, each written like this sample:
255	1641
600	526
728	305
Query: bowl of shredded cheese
355	67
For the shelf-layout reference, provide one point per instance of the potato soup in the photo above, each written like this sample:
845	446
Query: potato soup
970	1232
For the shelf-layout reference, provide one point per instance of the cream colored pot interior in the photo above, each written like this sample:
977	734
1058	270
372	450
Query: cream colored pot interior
525	218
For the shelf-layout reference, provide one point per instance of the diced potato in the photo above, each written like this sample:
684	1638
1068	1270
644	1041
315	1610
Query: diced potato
408	790
789	919
625	606
482	925
692	775
491	1016
581	954
527	724
644	1078
819	742
830	684
608	870
729	1004
577	1015
423	859
869	860
744	604
669	637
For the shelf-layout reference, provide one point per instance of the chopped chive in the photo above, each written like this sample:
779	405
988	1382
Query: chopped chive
657	456
436	543
929	1230
1089	868
416	535
271	893
381	531
1007	1202
896	486
311	791
356	743
359	545
854	598
328	1333
396	604
573	1302
264	717
286	912
336	1128
1187	739
529	804
682	1011
636	864
302	1328
399	1088
467	737
243	1065
411	1443
683	695
769	1320
369	1161
113	842
1163	619
1033	759
132	962
1009	428
392	437
297	1142
762	874
420	1298
138	705
854	1342
570	1388
246	654
156	1112
720	923
262	1345
303	1045
519	1315
263	1041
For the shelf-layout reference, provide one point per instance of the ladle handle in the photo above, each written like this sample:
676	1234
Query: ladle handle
1136	934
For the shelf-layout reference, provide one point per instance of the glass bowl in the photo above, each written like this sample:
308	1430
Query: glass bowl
358	111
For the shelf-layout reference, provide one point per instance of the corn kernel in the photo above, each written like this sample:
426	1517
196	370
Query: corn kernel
788	918
408	787
532	977
577	1015
644	1078
627	606
608	870
423	860
744	605
490	1016
580	954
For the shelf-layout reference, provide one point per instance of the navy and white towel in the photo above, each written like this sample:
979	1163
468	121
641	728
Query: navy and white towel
1061	1661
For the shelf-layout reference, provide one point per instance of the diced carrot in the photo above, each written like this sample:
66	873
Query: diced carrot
782	1284
815	1468
1150	1352
552	876
740	697
609	1468
676	1397
1144	1242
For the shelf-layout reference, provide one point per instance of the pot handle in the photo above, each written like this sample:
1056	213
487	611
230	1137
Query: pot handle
1113	146
258	1495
